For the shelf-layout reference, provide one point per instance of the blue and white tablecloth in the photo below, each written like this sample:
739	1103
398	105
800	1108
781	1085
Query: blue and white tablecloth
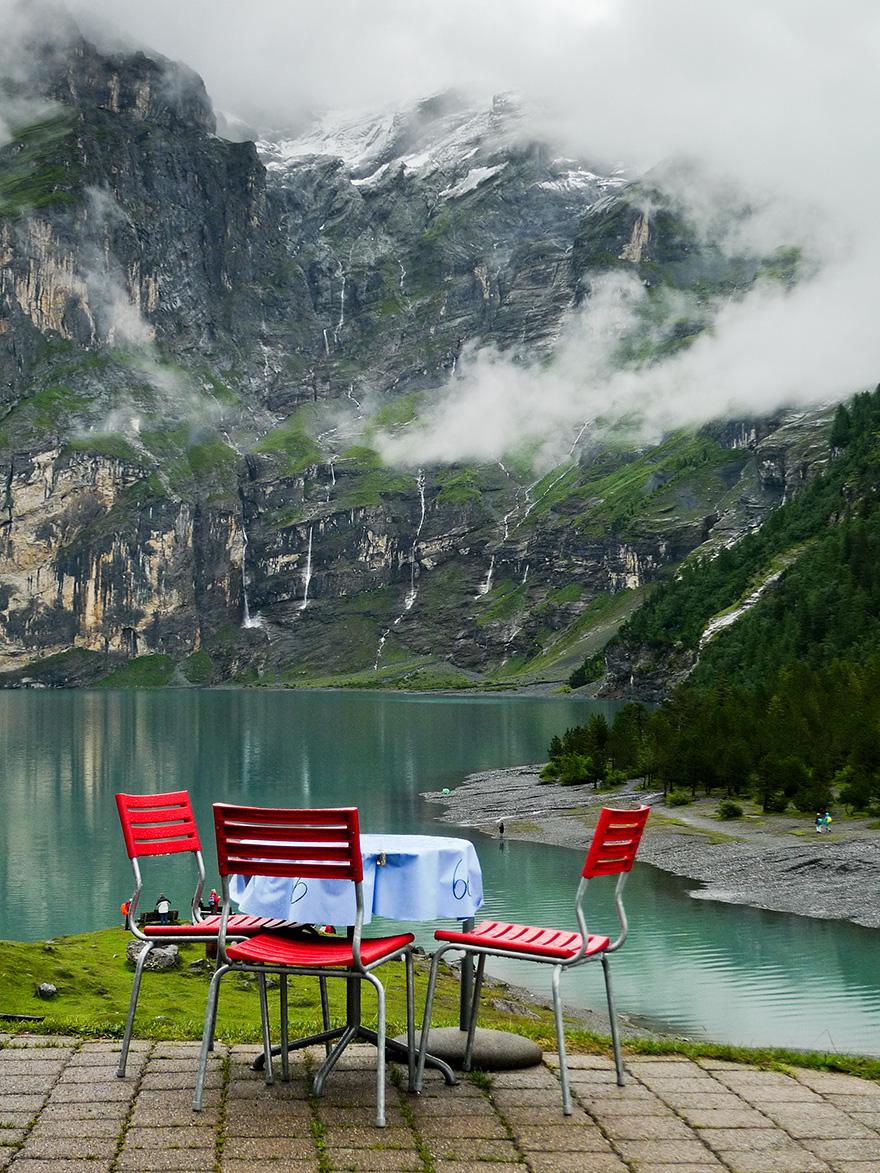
406	877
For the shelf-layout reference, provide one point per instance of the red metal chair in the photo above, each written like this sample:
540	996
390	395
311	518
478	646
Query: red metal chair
612	852
164	824
322	843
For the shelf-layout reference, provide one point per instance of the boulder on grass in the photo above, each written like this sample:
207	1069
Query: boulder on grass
161	956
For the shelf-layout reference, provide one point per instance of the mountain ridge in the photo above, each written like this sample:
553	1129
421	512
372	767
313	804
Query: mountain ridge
197	351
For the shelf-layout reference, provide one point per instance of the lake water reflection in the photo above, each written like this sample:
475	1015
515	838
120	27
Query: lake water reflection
706	969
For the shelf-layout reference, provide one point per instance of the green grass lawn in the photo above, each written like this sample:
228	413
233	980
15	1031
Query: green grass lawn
94	984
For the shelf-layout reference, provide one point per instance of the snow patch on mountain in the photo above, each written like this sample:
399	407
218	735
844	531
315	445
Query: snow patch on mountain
572	178
471	181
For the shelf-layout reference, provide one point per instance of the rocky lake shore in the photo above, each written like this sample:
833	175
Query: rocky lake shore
776	862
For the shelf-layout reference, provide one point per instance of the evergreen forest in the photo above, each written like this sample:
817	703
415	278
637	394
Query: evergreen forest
784	704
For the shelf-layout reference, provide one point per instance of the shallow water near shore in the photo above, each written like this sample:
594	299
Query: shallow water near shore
702	968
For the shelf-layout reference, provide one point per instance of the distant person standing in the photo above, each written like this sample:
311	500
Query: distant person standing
820	822
214	901
163	907
501	828
827	822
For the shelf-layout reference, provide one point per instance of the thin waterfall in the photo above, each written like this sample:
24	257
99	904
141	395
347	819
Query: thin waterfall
326	343
340	273
382	639
486	585
530	504
247	620
412	592
505	521
307	576
577	438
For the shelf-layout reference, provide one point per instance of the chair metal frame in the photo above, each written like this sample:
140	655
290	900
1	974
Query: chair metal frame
164	824
612	852
305	843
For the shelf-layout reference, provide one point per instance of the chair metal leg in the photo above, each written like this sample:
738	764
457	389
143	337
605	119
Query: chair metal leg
615	1033
346	1035
325	1012
208	1035
285	1053
560	1041
132	1007
214	1023
426	1020
410	1020
380	1049
472	1017
264	1017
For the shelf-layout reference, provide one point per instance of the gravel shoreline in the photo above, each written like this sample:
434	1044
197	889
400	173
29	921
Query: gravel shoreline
773	862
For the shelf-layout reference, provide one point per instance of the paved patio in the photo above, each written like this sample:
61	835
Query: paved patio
63	1109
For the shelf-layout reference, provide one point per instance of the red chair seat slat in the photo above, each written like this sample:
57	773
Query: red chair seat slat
321	953
511	938
239	925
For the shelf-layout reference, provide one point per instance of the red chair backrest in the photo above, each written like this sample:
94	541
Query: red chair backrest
615	842
157	824
279	841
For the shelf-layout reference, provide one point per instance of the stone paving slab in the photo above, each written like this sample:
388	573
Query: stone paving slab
63	1109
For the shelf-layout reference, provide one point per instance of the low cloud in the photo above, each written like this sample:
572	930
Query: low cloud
119	324
776	347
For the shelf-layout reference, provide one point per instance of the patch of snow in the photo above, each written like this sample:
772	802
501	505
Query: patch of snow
442	141
371	145
354	137
471	181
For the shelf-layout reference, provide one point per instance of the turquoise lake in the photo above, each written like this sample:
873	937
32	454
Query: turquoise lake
705	969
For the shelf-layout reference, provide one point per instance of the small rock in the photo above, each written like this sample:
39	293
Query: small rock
503	1006
46	990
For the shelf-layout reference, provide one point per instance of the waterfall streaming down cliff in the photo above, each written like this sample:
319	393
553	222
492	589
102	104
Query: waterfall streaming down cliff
307	575
350	395
247	620
577	438
486	585
382	639
412	592
341	322
530	504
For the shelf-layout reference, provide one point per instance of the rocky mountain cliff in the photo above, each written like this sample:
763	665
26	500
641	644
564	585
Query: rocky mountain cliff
200	337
